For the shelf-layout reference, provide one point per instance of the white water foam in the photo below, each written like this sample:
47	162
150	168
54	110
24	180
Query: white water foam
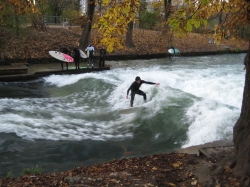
31	120
64	80
219	89
210	121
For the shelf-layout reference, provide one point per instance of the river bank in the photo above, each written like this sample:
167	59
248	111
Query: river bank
185	167
33	46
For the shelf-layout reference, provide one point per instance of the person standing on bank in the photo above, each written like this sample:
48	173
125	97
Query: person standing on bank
66	51
77	56
135	89
90	53
102	57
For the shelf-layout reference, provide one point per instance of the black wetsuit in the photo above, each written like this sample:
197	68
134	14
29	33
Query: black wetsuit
65	51
135	90
102	57
91	57
77	57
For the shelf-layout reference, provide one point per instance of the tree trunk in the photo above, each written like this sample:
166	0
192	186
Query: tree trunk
241	131
167	9
129	35
220	18
85	38
17	24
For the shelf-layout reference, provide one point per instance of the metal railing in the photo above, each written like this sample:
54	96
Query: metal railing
58	20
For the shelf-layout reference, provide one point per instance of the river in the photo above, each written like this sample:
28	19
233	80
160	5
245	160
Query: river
63	121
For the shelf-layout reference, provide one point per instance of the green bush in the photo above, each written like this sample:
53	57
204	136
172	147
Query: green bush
148	20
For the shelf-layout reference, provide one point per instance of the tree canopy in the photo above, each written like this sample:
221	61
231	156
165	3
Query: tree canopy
21	5
115	21
196	13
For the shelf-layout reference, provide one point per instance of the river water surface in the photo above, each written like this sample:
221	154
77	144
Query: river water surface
63	121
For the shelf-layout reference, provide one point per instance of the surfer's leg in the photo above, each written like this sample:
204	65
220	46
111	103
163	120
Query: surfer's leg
92	61
100	62
77	64
132	98
88	61
62	65
143	94
67	65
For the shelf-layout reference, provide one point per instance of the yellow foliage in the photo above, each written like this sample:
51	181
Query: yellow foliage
95	26
171	184
110	48
115	21
177	164
157	4
105	2
154	169
196	13
21	6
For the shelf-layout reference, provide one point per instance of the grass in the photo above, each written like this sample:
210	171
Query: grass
237	50
9	174
35	171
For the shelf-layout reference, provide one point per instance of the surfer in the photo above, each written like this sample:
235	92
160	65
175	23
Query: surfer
77	56
102	57
90	53
135	89
65	50
173	49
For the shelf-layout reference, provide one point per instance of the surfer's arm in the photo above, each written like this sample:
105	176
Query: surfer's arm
146	82
129	89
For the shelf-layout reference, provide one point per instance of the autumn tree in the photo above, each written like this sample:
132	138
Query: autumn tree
236	14
21	5
114	23
12	9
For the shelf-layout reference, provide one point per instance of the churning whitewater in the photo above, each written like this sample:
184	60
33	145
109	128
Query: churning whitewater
198	100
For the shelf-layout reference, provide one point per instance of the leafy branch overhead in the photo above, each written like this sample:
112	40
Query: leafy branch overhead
21	5
115	21
233	15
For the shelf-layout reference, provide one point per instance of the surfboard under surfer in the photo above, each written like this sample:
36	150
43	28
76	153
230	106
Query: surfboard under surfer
135	89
